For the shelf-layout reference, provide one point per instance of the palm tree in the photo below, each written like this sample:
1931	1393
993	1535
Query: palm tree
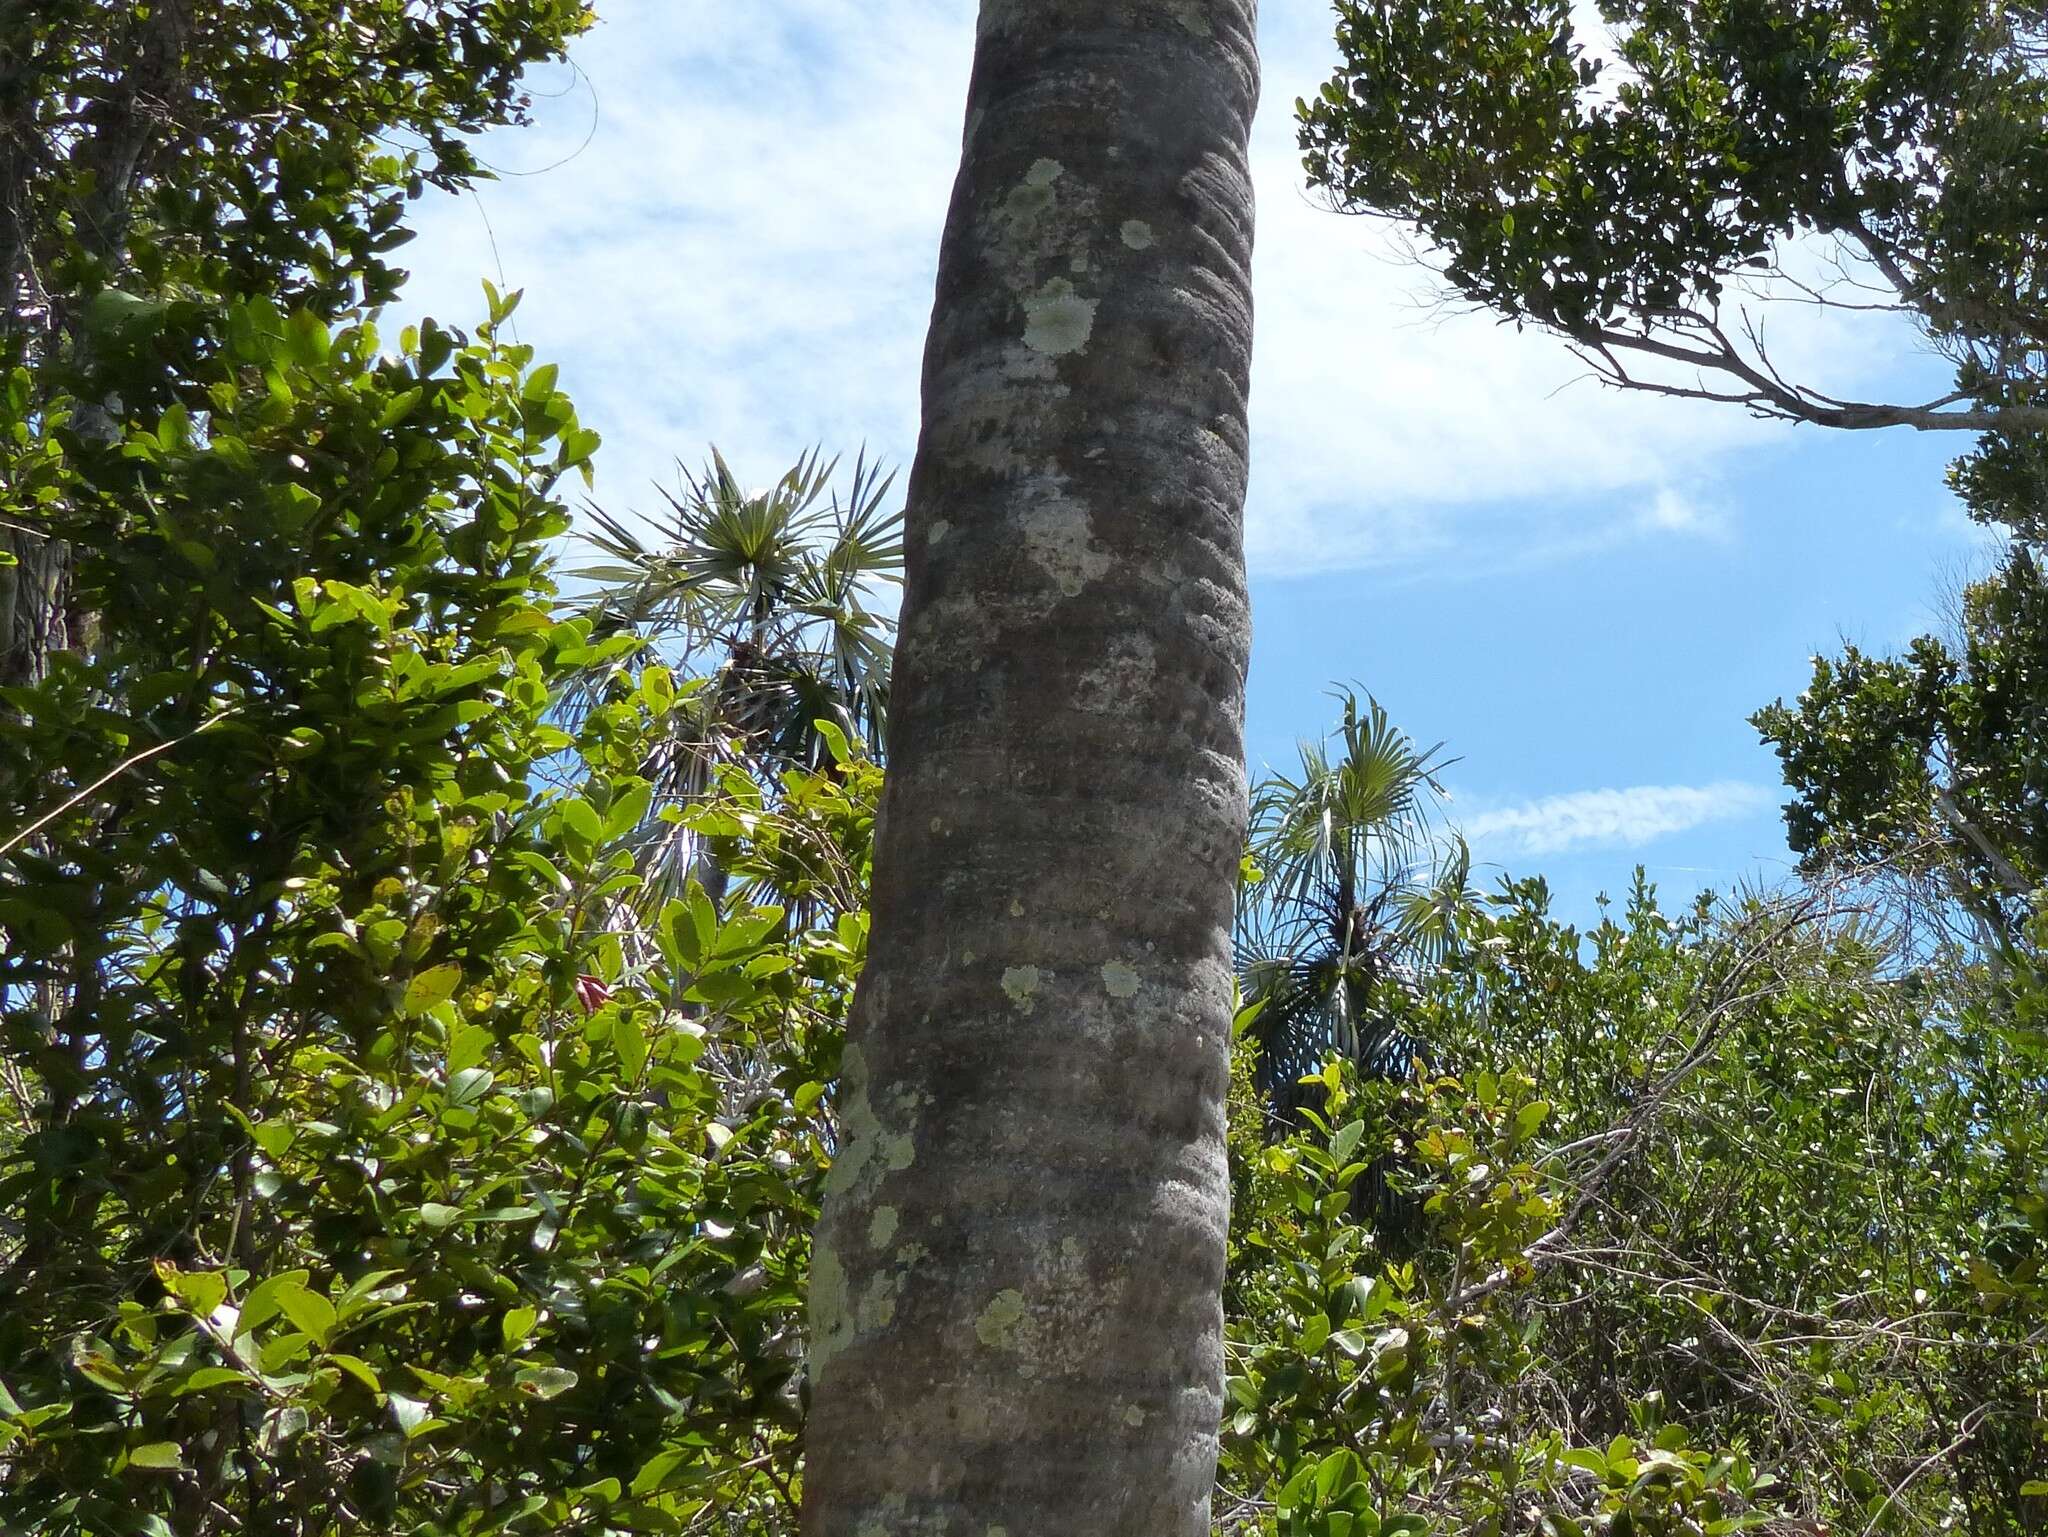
1016	1287
777	600
1359	894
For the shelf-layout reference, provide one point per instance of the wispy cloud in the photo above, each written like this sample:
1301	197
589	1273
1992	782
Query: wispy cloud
743	254
1672	511
1623	818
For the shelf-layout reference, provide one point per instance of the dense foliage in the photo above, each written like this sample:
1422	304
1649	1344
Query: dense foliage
1649	186
160	163
1725	1218
1936	760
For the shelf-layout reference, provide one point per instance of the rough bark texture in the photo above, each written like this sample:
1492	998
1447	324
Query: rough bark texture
1015	1293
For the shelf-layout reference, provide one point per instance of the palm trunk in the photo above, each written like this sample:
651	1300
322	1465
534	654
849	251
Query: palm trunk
1015	1294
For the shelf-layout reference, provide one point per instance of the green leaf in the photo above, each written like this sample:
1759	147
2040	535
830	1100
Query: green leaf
264	1300
361	1371
201	1291
578	446
1345	1143
517	1325
211	1377
282	1349
397	409
157	1456
306	337
631	1043
627	809
545	1381
835	740
545	867
1337	1472
580	819
682	947
428	988
654	1473
309	1312
469	1046
410	1414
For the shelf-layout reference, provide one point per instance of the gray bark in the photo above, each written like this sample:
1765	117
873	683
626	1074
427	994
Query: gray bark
41	610
38	615
1015	1293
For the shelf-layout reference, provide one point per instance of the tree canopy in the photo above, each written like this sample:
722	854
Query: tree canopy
1655	193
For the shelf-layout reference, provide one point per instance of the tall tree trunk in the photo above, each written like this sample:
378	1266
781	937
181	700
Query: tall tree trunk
123	128
1015	1293
36	612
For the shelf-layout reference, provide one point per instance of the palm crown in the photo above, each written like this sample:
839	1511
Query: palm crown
777	600
1358	891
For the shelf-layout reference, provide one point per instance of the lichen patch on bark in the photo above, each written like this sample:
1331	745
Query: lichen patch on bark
1033	195
882	1226
1020	986
1057	320
878	1303
1060	538
997	1325
831	1318
868	1147
1119	980
1137	234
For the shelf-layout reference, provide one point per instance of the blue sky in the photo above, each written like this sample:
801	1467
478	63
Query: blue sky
725	220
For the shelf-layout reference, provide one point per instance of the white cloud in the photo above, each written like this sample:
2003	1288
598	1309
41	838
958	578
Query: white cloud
743	254
1674	512
1625	818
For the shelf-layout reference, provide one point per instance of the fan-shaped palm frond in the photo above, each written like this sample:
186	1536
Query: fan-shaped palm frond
1350	816
1360	893
777	601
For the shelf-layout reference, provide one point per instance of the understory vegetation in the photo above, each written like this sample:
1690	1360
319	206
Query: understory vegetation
427	933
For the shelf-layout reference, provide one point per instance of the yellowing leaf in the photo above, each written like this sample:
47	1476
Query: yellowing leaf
433	986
